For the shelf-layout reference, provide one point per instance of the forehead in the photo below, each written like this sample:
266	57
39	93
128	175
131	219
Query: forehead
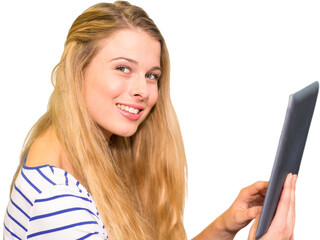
133	44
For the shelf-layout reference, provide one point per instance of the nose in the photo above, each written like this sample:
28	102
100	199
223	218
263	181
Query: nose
139	88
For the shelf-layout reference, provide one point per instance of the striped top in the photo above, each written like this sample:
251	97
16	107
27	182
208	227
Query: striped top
48	203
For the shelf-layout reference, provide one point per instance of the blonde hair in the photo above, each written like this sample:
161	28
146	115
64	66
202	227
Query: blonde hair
138	182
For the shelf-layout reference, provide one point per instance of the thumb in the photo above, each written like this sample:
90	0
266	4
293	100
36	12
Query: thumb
253	228
253	212
249	214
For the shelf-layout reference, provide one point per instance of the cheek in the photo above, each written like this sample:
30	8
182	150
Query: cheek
99	93
101	88
153	98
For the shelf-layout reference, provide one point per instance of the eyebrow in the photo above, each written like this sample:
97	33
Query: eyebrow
134	62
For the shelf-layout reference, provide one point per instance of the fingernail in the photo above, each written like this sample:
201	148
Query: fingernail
295	178
290	178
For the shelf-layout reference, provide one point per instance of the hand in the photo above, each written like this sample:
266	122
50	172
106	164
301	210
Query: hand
282	225
246	207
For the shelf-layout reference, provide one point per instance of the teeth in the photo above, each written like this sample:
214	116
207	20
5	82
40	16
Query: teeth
128	109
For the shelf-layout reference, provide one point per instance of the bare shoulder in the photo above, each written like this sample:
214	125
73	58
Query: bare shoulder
45	150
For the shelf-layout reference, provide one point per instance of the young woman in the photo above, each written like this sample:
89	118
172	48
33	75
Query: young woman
107	159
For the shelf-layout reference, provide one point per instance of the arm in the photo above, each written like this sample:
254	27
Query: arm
216	230
62	212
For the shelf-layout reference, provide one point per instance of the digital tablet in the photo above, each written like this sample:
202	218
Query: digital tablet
290	149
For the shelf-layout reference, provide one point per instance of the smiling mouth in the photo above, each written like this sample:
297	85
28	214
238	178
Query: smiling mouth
128	109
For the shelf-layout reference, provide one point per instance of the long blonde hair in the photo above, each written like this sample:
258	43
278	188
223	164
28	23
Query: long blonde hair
138	182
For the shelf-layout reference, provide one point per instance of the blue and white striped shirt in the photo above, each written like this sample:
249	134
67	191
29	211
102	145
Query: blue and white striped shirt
48	203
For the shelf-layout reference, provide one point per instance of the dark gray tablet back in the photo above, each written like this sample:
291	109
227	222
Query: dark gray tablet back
290	149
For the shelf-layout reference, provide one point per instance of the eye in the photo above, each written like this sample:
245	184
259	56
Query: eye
124	69
152	76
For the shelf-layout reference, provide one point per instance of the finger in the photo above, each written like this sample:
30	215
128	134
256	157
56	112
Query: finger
256	188
284	203
292	213
256	200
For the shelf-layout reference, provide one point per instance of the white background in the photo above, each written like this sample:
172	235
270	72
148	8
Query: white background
234	64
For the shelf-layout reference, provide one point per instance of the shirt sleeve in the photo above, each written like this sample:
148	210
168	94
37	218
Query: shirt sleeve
62	212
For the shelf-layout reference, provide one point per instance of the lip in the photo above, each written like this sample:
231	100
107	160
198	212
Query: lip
129	115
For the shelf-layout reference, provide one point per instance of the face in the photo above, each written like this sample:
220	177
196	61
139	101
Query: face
120	83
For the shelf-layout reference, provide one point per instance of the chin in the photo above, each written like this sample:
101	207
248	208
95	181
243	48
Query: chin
126	132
